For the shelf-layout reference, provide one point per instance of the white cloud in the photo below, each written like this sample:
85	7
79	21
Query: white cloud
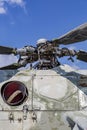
3	8
7	60
72	48
18	2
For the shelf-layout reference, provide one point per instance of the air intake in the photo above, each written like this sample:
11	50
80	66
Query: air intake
14	93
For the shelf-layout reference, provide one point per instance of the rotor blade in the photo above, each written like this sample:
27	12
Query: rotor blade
82	55
11	67
7	50
76	35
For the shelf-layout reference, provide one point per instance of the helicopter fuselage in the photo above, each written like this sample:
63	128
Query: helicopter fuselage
54	100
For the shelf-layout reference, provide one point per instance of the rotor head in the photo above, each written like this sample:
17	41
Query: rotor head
46	52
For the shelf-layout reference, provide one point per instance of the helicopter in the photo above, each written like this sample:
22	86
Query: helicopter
47	95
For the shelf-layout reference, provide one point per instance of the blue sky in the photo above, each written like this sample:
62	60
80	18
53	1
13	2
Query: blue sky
23	22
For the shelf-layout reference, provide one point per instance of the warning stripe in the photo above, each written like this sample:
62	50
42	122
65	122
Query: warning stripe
13	96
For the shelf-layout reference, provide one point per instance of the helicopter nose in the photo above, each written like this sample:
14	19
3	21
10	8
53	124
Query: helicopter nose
14	93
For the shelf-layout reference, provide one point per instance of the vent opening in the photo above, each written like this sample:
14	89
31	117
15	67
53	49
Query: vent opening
14	93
